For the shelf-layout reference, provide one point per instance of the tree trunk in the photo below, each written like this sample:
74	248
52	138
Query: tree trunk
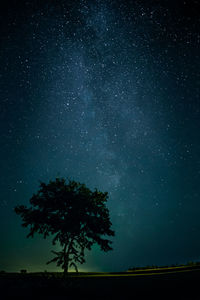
66	261
66	264
66	256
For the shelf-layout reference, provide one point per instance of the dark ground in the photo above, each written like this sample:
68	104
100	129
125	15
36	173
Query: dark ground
183	284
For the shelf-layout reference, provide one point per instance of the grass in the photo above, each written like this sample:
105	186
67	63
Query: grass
159	283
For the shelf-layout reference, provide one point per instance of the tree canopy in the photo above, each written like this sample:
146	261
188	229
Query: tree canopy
75	216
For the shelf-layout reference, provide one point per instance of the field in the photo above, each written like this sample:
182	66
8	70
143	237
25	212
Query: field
160	283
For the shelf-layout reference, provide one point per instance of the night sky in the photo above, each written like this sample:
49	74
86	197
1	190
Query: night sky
105	93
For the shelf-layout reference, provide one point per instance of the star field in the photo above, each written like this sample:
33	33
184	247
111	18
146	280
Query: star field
106	93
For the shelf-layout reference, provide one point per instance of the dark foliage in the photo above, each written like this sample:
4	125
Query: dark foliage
76	217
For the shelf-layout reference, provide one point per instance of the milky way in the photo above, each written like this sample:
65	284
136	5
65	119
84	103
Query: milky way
106	93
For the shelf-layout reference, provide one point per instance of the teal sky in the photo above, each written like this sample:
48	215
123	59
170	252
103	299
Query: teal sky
106	93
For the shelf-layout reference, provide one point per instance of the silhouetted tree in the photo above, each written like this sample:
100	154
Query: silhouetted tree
76	217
